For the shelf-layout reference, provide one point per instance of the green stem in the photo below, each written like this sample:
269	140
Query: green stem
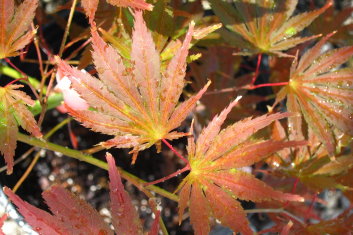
13	73
91	160
67	29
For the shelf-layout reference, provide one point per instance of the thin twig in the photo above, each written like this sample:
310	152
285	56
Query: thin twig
67	29
174	151
259	58
268	85
24	76
37	156
178	172
39	54
27	172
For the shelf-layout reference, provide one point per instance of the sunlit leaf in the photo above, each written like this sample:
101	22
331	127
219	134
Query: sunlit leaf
264	26
138	104
216	178
323	96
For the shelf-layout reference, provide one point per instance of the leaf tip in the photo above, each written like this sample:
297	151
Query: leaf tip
239	97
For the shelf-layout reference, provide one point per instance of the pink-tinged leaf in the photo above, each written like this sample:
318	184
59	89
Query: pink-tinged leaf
138	4
74	214
239	132
191	147
93	91
295	121
71	97
146	63
122	142
41	221
15	31
226	209
129	91
13	112
184	196
212	130
246	187
2	221
310	55
173	83
99	122
112	71
185	108
155	226
124	215
199	210
90	7
329	60
216	178
286	229
250	153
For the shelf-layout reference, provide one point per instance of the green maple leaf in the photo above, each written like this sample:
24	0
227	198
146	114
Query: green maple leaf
264	26
13	112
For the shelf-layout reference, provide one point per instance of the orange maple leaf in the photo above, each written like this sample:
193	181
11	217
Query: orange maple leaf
216	178
14	26
323	96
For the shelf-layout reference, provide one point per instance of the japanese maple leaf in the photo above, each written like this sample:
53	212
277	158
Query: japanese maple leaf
2	221
264	26
137	104
216	178
323	96
72	215
14	26
13	112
